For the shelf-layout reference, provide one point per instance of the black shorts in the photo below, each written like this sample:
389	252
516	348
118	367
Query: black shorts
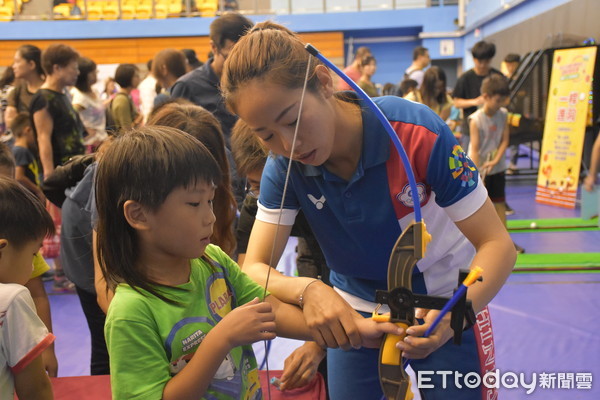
495	186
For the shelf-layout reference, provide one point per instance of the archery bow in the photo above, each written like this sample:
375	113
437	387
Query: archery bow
410	247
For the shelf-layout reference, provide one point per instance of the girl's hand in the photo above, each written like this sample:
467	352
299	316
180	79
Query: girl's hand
249	323
332	322
415	345
300	367
372	332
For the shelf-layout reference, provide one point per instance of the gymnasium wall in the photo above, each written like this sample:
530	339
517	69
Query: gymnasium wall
530	25
392	34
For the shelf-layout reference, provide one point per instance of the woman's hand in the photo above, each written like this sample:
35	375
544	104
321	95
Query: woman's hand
415	345
332	322
372	332
300	367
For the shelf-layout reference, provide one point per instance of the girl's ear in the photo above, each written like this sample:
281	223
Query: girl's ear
324	77
135	214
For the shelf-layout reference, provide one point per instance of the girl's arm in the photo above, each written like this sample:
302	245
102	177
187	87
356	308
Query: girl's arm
290	324
331	320
44	125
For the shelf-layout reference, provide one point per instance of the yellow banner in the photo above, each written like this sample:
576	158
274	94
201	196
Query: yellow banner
564	130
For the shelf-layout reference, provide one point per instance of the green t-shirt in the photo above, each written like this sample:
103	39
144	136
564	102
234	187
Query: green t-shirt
149	340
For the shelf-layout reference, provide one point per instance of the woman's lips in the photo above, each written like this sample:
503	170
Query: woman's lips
306	157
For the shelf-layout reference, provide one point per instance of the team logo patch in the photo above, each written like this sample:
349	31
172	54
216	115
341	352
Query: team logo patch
405	196
319	203
462	167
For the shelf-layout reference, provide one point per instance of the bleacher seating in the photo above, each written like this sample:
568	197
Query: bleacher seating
131	9
7	9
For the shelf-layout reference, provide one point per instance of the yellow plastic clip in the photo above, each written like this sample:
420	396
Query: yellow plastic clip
379	317
473	276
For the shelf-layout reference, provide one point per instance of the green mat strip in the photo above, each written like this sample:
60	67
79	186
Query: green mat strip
552	224
560	262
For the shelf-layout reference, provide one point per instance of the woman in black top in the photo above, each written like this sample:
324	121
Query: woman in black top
27	67
57	125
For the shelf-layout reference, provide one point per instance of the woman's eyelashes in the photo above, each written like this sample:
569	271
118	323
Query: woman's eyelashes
293	123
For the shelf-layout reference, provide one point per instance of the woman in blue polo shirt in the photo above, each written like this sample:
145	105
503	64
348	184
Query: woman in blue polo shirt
346	178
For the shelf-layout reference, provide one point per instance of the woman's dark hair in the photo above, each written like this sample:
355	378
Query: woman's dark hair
143	165
429	89
202	125
33	54
124	75
83	81
271	52
58	54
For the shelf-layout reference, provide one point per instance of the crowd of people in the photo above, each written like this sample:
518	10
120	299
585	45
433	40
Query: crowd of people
145	196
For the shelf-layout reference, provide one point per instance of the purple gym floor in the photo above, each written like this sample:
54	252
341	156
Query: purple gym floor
543	322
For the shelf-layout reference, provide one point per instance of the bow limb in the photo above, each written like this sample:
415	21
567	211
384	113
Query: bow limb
409	248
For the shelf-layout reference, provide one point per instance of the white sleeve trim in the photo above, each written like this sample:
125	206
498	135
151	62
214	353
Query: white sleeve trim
468	205
271	215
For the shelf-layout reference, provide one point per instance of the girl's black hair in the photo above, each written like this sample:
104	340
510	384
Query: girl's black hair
143	165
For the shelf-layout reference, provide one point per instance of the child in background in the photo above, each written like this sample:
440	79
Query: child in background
178	299
408	87
489	140
27	170
35	284
24	222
